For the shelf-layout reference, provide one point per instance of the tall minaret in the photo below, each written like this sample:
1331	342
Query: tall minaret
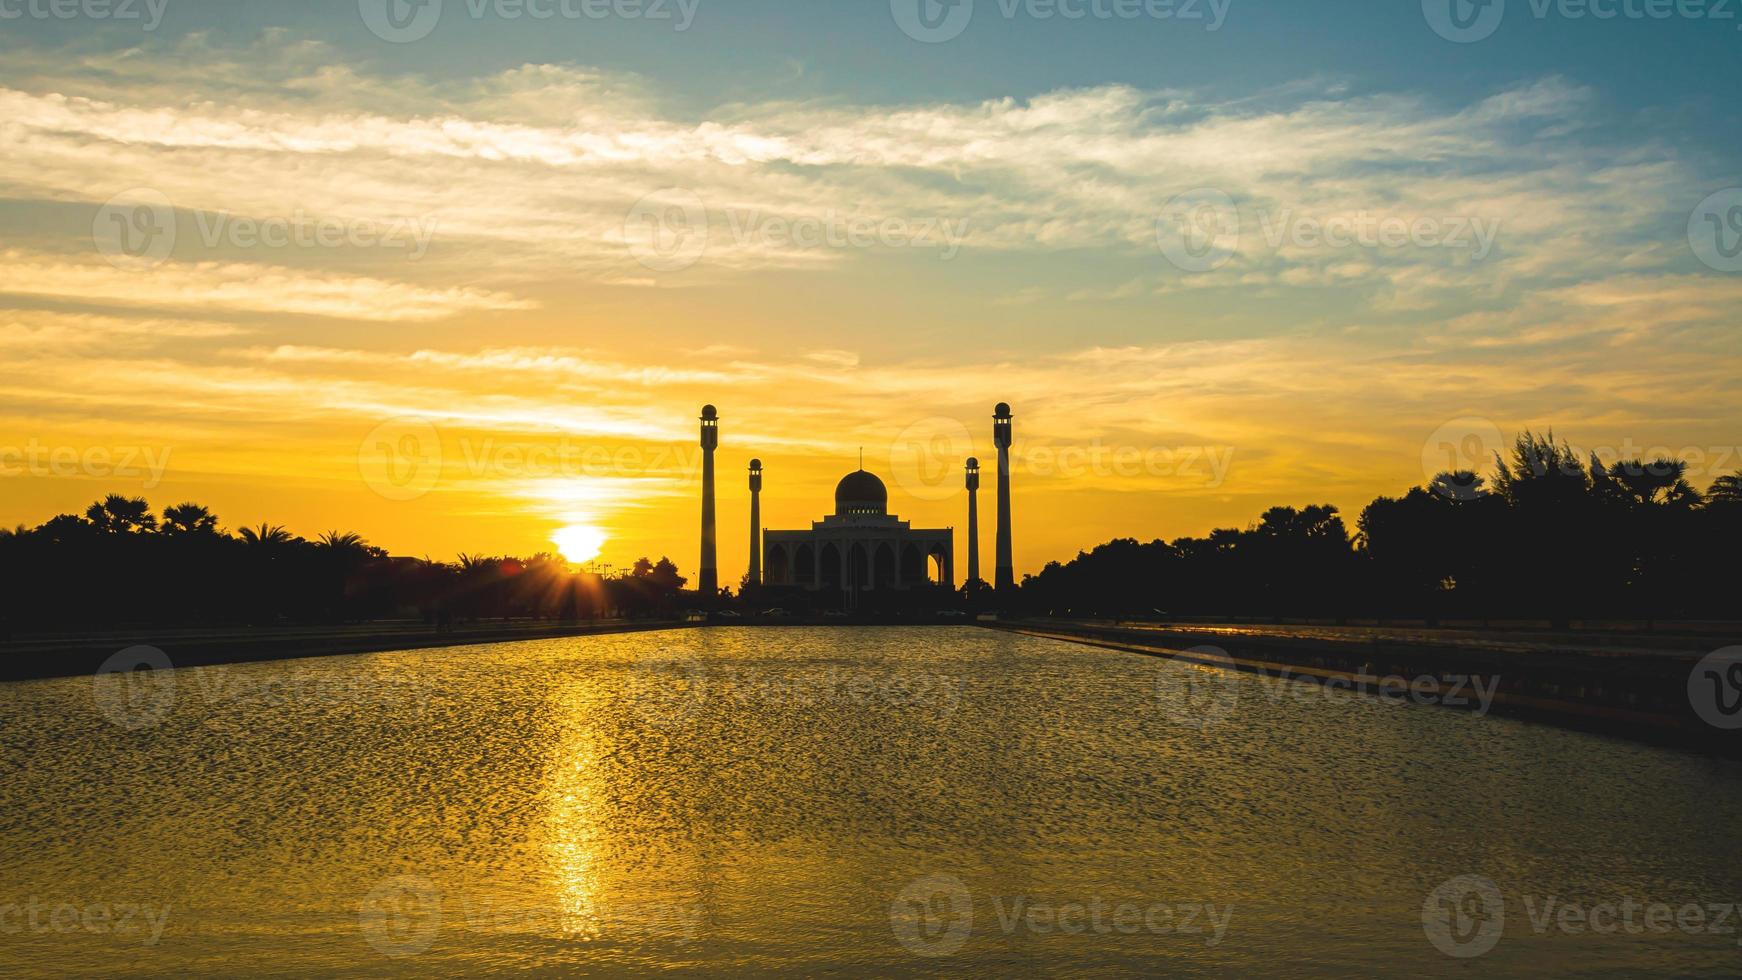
1006	570
709	583
973	519
756	522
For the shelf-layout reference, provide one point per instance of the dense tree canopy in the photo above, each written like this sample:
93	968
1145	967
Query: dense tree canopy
1556	537
121	564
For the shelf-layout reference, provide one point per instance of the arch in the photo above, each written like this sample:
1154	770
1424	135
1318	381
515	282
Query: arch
883	567
858	567
913	565
776	568
804	565
938	568
829	563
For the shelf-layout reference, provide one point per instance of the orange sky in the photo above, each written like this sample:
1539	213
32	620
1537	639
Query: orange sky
243	274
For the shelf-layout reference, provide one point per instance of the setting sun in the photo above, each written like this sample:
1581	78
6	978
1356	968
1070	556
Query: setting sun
579	543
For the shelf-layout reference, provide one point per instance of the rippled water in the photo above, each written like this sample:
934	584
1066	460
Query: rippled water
828	800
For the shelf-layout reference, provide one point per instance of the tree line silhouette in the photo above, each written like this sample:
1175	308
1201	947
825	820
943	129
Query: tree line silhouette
1556	537
118	563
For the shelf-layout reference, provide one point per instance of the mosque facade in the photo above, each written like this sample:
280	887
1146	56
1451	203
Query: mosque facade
861	547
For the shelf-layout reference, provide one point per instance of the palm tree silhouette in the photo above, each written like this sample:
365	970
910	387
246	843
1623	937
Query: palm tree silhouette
341	541
189	518
1726	491
1459	485
265	536
121	515
1642	484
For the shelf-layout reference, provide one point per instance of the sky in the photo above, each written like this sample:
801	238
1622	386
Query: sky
458	274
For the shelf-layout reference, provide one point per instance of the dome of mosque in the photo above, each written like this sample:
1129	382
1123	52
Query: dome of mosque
861	493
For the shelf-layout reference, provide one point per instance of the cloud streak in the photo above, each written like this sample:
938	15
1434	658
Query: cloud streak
533	172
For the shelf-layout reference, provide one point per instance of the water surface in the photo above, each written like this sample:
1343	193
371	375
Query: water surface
845	800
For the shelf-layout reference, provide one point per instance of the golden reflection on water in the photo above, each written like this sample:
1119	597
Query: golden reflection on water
731	800
573	826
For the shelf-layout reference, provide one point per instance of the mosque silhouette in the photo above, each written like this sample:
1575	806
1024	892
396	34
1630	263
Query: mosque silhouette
861	547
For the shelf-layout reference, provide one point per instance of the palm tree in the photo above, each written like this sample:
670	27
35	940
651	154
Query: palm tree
265	536
1642	484
341	541
189	518
1458	485
122	515
1726	491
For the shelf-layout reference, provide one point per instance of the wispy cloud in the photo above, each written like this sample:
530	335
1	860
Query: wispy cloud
533	172
1325	367
239	286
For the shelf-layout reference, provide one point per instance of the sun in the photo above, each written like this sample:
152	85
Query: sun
579	543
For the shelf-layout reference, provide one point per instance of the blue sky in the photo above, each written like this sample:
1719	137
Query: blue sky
1682	69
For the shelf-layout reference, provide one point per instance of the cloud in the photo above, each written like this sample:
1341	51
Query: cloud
532	173
239	286
1325	368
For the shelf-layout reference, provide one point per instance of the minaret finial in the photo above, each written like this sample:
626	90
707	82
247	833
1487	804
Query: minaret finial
861	459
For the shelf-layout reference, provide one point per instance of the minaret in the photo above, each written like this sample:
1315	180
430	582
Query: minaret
973	519
709	583
756	522
1006	569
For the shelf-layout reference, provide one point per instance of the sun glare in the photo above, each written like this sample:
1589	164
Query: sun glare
579	543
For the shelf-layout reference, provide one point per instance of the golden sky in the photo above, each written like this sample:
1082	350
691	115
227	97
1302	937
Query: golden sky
457	314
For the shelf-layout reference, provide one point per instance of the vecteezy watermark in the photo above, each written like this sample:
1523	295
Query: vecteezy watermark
1464	21
671	230
1715	230
405	915
667	692
404	21
1715	688
135	229
1201	231
1458	451
401	459
934	916
1201	687
1466	916
406	458
1208	464
1469	21
299	230
1365	229
144	463
1473	691
138	687
401	916
128	921
148	13
135	688
927	459
937	21
285	684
